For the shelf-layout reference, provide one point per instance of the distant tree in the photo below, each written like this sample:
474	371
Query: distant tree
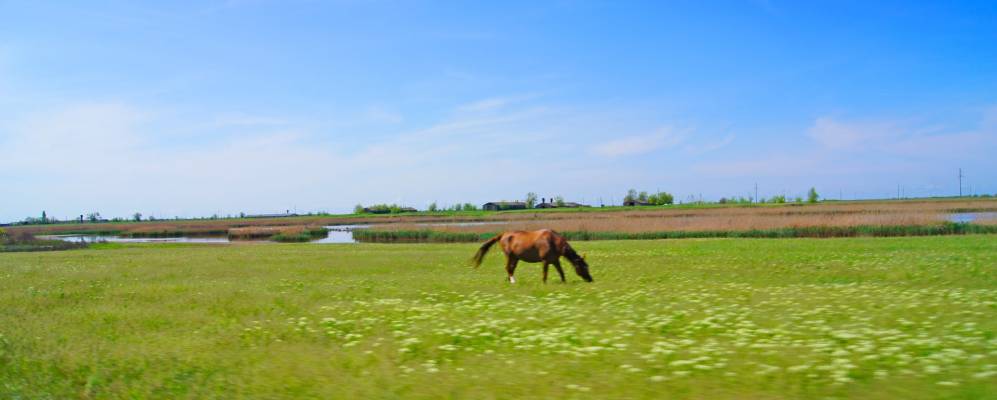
137	217
778	199
93	217
432	207
242	215
798	200
642	196
661	198
151	218
559	201
812	195
44	217
469	207
358	209
531	199
631	195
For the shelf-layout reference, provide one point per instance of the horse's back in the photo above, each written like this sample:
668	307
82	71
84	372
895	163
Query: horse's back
533	246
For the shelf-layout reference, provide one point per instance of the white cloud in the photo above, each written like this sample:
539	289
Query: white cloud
638	144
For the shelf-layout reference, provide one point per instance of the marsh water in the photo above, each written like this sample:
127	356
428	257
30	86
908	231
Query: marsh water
971	216
344	233
119	239
337	234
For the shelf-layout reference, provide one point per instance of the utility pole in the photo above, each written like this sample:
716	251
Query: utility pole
756	192
960	182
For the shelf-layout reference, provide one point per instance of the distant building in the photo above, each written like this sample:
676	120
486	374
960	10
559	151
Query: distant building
567	204
284	215
503	205
632	203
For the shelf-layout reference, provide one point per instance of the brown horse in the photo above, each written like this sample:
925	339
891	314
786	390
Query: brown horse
544	246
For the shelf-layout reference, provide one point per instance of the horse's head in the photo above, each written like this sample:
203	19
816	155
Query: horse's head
581	268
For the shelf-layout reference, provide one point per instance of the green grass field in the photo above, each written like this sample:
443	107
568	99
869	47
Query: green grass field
713	318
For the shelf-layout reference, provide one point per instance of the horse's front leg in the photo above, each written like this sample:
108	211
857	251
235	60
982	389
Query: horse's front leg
510	268
546	267
557	264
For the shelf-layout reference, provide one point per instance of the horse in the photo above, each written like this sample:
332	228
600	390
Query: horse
544	246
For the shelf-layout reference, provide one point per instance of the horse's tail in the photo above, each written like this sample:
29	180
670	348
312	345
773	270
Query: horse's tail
480	255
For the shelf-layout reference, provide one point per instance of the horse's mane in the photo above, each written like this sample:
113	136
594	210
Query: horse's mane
571	254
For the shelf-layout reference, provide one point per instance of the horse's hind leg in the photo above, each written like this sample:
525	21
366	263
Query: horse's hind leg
510	268
557	264
546	267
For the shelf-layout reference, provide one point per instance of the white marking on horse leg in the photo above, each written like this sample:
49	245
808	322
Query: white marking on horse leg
512	279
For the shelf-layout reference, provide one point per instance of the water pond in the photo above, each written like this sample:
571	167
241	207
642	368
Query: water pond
119	239
972	216
337	234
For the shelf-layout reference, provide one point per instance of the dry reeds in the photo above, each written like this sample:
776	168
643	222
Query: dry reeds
279	233
650	219
729	219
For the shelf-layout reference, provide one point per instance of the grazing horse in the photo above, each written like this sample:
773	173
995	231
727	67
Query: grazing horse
544	246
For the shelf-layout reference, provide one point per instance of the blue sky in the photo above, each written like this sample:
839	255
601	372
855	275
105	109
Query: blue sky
195	108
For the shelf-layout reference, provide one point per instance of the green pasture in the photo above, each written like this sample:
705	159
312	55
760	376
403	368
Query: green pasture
878	318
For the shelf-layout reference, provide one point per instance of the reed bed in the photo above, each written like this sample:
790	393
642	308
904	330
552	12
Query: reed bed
165	232
23	241
278	233
946	228
701	220
620	219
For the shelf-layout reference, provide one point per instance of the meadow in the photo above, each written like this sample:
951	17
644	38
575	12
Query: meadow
872	318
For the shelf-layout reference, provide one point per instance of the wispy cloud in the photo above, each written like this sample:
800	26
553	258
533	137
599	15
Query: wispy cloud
243	120
703	148
382	115
901	137
119	149
638	144
863	147
837	134
490	104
